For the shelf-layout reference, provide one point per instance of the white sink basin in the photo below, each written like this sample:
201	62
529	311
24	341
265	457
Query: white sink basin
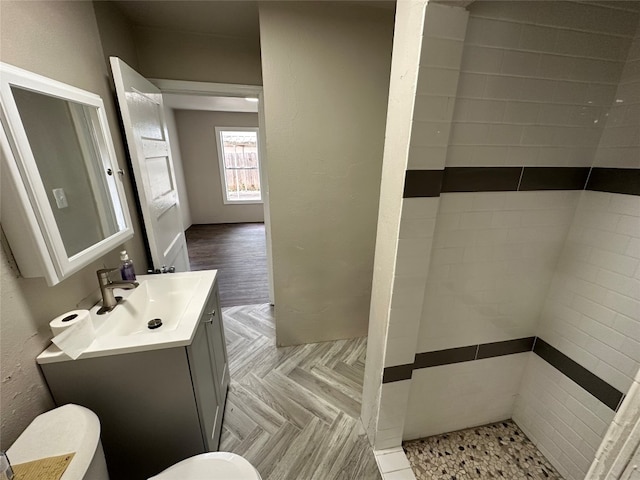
177	299
161	297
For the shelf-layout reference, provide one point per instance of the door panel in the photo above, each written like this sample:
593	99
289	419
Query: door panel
145	129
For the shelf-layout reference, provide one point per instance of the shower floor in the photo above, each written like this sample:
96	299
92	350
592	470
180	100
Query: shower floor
500	450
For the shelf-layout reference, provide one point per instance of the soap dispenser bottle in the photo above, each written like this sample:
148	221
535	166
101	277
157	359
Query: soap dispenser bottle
126	269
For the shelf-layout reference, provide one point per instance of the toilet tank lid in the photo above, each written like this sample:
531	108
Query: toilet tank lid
66	429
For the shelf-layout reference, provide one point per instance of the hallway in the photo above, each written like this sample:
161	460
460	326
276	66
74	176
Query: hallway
238	252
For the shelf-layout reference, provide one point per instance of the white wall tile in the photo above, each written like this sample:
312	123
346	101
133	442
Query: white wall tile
405	474
407	292
451	397
441	52
487	111
392	461
393	405
469	133
479	59
416	227
521	112
472	85
427	158
592	315
537	38
510	88
388	438
560	418
531	87
426	134
555	67
413	208
437	81
433	108
496	33
399	351
404	321
445	22
524	64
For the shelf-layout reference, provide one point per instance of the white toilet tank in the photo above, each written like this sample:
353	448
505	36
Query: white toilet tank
66	429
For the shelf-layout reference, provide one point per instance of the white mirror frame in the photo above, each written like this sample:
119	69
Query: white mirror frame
28	222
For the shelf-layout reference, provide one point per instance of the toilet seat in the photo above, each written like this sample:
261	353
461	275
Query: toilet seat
210	466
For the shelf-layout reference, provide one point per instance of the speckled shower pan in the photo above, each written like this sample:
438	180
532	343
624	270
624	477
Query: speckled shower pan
500	450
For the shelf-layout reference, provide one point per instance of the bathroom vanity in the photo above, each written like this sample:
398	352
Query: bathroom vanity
159	393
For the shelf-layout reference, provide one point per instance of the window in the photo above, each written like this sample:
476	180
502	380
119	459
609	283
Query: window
239	164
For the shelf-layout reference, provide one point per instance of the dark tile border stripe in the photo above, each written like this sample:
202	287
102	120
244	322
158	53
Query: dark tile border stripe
554	178
398	373
422	183
593	384
615	180
445	357
481	179
509	347
457	355
430	183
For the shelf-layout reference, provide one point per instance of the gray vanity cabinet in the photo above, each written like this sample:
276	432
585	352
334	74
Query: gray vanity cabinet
209	369
156	407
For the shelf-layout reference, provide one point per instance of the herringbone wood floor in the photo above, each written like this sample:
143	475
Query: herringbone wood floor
294	412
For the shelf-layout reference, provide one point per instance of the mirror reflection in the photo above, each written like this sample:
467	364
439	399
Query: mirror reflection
74	168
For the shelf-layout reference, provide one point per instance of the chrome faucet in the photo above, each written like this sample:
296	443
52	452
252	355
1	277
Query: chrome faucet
109	301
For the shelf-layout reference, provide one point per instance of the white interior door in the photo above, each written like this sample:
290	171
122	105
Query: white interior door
143	118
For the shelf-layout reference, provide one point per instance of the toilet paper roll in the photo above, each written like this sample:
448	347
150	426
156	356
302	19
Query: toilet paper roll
77	336
67	320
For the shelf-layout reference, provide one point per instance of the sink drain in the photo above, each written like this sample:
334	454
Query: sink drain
155	323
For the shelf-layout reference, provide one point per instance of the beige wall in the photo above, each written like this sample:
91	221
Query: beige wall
326	77
188	56
198	149
116	33
117	37
59	40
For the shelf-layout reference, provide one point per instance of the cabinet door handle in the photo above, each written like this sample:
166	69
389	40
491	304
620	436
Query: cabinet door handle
211	315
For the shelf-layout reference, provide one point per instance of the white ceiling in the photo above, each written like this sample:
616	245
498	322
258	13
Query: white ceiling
218	104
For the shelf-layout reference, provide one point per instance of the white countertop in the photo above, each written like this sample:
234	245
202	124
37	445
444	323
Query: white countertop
108	344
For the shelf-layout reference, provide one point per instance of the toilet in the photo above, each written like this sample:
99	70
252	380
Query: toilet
66	429
72	428
211	466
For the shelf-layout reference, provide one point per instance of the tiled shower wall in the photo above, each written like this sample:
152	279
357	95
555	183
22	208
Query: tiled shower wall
592	312
532	87
429	123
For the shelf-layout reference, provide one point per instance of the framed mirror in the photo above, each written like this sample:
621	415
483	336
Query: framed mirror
61	186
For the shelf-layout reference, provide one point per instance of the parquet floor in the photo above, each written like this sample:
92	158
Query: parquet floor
293	412
238	251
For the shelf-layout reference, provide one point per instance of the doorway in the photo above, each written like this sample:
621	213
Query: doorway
227	230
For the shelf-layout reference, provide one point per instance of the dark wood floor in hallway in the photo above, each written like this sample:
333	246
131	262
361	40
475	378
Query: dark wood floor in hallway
238	252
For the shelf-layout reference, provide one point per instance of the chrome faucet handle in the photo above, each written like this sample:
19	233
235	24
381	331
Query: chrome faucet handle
103	273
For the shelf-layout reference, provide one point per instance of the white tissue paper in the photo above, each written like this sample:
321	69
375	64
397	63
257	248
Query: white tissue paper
73	332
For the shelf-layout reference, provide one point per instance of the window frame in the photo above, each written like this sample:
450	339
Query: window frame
223	177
